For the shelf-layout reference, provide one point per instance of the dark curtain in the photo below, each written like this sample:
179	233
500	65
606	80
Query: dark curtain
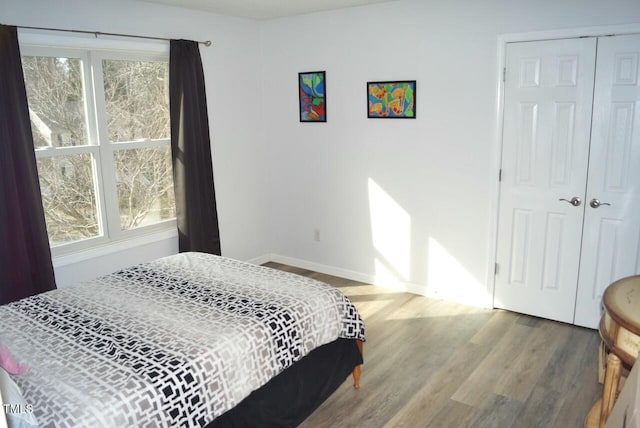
191	151
25	257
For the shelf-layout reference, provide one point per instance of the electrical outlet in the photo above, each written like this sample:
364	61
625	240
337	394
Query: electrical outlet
316	235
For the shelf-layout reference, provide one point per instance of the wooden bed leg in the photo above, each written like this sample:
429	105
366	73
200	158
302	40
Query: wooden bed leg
356	376
357	370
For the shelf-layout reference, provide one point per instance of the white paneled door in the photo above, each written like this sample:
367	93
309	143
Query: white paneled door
547	122
611	237
569	221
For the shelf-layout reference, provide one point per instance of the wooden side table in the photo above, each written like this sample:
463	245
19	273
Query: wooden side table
620	332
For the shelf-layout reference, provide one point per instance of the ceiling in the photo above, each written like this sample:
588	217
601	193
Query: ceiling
264	9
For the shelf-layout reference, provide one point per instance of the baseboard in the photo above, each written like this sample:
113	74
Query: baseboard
343	273
395	284
260	260
319	267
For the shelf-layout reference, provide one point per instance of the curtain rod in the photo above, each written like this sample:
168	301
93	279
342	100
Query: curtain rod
100	33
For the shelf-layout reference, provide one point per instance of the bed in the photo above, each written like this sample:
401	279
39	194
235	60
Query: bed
186	340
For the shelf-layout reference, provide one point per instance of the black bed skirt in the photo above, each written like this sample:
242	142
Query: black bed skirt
289	398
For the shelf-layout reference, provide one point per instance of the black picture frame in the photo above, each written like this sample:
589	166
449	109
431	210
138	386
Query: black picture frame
392	99
312	96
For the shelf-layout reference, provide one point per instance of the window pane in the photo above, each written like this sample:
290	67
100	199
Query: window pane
56	101
68	196
137	100
145	186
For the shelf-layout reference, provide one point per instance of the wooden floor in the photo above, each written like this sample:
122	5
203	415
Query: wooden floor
431	363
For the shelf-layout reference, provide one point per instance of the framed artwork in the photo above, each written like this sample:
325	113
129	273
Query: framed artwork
391	100
313	96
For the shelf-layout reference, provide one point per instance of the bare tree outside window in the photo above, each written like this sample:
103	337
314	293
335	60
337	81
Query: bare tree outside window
137	103
137	100
55	92
145	186
68	197
137	135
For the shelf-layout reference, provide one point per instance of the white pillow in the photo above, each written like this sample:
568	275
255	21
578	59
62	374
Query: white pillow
19	413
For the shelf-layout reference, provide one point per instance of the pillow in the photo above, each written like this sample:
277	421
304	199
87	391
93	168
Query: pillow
19	413
10	364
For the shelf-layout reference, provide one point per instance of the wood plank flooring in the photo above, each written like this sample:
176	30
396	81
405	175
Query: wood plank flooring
431	363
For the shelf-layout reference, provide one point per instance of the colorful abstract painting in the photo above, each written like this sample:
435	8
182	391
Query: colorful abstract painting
313	96
391	100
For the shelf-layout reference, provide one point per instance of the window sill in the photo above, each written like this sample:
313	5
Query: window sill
112	247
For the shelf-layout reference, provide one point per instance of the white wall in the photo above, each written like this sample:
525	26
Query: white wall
405	202
231	66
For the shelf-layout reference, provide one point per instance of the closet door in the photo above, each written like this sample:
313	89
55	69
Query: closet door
611	238
547	122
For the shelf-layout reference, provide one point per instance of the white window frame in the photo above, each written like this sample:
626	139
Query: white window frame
92	53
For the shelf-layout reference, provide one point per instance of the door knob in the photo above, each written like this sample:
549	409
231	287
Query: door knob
575	201
595	203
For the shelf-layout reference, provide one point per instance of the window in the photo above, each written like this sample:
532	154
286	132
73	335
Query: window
100	124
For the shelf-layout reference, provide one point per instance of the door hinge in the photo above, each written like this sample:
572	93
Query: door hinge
496	269
500	175
504	74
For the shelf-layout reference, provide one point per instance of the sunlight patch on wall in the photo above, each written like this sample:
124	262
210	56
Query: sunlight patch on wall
448	279
391	235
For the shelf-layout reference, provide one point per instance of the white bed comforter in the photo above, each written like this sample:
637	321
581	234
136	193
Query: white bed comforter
174	342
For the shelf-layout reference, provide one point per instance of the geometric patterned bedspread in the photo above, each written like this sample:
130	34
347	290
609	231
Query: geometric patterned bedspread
174	342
